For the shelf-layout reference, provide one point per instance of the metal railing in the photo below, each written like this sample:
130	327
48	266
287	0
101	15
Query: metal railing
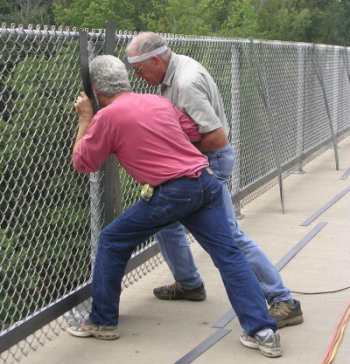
284	101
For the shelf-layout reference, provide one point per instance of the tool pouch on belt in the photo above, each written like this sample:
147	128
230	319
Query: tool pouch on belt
147	192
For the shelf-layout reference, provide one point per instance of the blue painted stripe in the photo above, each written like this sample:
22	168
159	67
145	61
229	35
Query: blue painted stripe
203	346
324	208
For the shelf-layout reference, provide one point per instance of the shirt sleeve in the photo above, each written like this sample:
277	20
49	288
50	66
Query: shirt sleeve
188	126
194	100
94	147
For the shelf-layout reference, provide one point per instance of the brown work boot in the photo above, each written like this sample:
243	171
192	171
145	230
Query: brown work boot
287	313
176	292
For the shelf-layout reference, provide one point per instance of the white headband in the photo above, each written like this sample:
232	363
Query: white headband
148	55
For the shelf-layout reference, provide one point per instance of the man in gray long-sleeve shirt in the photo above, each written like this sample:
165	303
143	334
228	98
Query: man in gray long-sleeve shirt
191	88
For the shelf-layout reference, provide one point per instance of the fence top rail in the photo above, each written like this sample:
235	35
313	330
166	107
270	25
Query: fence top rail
73	32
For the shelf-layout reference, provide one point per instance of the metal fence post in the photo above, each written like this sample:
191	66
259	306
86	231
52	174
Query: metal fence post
345	58
300	107
86	55
111	194
105	185
346	63
326	103
235	124
335	89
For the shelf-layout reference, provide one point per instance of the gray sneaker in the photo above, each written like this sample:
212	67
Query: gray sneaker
175	291
287	313
266	341
87	328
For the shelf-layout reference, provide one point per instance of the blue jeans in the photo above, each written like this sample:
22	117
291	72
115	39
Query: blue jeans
175	248
199	205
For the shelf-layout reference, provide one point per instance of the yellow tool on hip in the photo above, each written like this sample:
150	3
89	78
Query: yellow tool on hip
147	192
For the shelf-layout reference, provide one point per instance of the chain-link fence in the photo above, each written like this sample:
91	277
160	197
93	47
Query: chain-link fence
284	101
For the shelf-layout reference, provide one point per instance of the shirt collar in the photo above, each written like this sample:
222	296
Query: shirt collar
170	72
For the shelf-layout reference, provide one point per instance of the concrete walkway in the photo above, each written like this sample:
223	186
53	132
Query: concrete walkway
160	332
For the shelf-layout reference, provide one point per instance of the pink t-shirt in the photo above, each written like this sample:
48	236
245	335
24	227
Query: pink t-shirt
149	136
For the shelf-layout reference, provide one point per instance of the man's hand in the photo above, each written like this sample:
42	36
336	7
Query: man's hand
83	108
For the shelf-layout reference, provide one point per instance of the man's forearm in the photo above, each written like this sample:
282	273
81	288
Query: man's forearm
84	122
213	140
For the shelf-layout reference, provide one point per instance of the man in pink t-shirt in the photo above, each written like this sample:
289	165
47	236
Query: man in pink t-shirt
152	141
146	134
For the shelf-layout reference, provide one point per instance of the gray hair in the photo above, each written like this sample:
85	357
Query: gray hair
146	42
109	75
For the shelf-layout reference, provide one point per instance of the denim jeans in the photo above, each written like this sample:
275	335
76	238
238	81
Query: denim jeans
175	248
199	205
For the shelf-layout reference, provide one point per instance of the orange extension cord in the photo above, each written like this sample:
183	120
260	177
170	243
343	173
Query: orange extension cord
337	338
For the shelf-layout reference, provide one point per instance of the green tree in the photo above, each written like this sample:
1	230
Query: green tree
26	11
202	17
178	16
327	21
242	20
343	32
95	13
283	20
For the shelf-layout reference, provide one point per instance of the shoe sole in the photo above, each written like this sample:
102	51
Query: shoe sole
181	299
106	337
96	335
249	344
290	322
270	354
196	299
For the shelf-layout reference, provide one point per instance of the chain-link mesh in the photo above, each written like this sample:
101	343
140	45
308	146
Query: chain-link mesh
282	100
44	221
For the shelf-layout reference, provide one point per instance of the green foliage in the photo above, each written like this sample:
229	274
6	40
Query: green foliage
328	21
95	13
241	20
282	20
26	11
5	7
325	21
178	16
343	19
